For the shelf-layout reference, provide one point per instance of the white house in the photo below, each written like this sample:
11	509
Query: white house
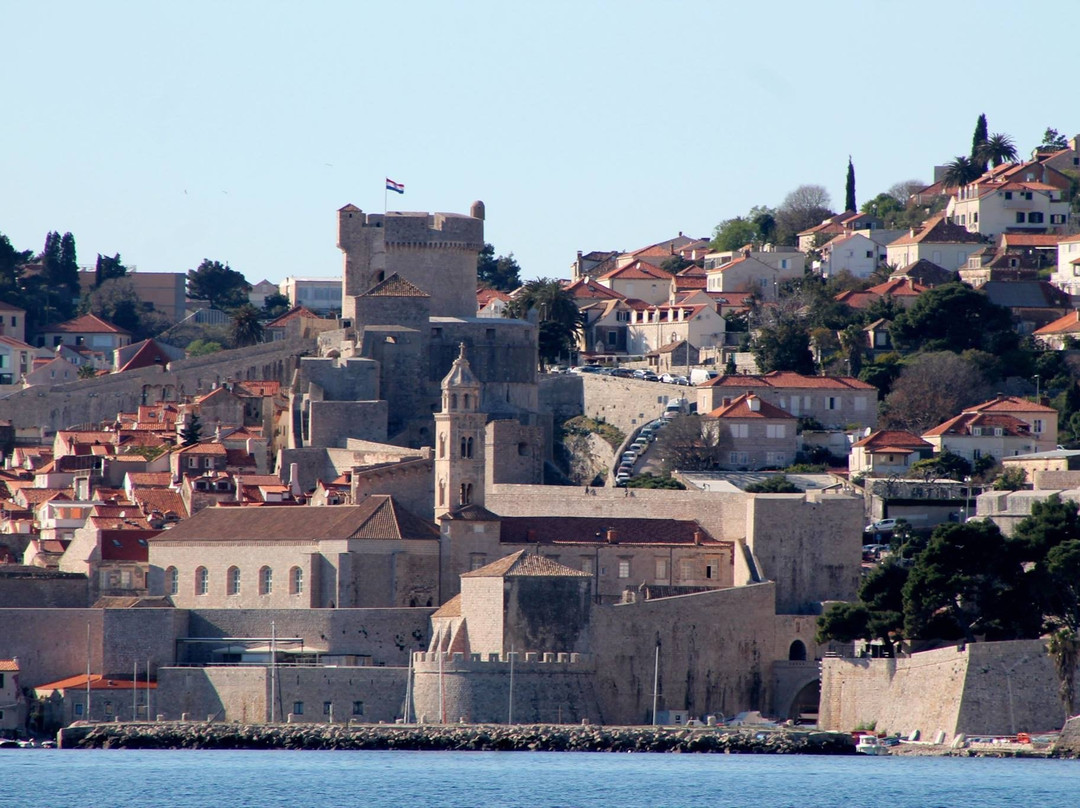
321	295
650	328
851	252
939	241
1066	276
992	207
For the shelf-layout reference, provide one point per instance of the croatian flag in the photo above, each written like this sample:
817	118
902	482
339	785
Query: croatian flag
395	186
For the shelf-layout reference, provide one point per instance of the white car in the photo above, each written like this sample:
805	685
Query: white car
880	526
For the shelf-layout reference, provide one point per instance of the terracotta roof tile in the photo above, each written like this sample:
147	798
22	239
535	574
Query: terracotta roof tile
524	564
749	405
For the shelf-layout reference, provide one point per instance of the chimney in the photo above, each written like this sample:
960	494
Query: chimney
294	479
699	536
239	488
612	536
725	401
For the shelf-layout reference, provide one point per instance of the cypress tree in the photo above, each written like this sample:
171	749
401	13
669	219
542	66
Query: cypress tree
849	193
191	433
978	140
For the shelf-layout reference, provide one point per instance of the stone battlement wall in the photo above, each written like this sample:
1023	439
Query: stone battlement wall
93	400
429	661
628	403
985	688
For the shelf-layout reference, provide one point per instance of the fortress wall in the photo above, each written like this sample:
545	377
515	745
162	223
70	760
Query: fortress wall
811	546
243	693
722	514
628	403
986	688
93	400
386	635
563	395
544	692
716	653
332	422
33	591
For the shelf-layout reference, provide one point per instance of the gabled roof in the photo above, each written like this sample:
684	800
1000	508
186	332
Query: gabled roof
524	564
1009	404
295	313
395	286
486	295
636	270
892	438
925	273
86	324
97	682
9	665
1069	324
786	379
1025	294
377	517
585	288
936	230
749	405
126	545
965	423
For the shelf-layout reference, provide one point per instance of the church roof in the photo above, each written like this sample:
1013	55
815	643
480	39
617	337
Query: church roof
460	374
395	286
524	564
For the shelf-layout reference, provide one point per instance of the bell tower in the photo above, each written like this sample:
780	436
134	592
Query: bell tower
459	441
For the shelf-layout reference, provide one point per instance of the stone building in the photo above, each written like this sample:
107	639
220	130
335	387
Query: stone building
374	554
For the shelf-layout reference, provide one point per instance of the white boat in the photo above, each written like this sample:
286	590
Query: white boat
871	745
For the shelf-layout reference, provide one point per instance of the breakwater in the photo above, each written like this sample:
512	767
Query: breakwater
484	737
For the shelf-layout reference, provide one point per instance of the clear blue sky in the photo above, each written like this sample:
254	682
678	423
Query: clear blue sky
234	130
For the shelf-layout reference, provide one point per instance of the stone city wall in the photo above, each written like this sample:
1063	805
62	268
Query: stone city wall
89	401
627	403
547	689
57	591
986	688
563	395
722	514
302	694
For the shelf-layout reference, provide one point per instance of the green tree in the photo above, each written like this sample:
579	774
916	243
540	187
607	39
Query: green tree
849	187
945	466
108	268
557	316
202	347
882	373
662	481
502	273
11	267
967	582
87	371
784	345
773	484
1010	479
885	207
954	317
878	614
998	149
1052	139
275	305
959	172
978	144
674	264
246	327
731	234
222	287
191	432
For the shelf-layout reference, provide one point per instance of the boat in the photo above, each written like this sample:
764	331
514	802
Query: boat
871	745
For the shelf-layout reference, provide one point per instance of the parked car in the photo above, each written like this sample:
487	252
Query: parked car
623	373
880	526
667	378
650	376
682	380
629	456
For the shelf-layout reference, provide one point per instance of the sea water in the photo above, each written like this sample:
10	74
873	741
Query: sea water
289	779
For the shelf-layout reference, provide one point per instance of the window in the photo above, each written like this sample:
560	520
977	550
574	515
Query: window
686	570
296	581
1008	194
1019	217
266	581
232	581
624	568
832	403
869	253
328	708
202	581
1	681
775	430
661	568
1035	217
193	462
358	708
775	458
1058	218
477	560
587	565
172	580
739	458
976	454
860	404
1037	425
710	570
740	430
298	708
997	432
79	709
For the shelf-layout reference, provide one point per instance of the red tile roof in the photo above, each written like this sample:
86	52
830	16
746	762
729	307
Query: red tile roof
638	270
936	230
892	438
749	405
1008	404
7	665
1069	324
126	545
524	564
585	288
964	423
87	324
97	682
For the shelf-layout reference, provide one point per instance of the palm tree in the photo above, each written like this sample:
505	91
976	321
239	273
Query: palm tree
246	327
558	317
998	149
959	172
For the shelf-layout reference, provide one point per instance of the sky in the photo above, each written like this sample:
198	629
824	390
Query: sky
174	132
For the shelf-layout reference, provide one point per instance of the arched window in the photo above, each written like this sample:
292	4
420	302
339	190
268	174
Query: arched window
468	447
442	444
466	401
296	581
453	401
465	494
442	493
797	651
172	580
232	581
202	581
266	581
464	448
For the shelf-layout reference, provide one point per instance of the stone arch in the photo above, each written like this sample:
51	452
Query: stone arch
797	651
806	702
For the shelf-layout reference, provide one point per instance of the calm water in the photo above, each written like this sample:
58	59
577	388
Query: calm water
178	779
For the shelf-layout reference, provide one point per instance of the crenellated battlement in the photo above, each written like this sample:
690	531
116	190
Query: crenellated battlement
458	662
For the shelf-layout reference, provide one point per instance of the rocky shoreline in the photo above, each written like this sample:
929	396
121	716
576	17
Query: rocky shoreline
487	738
